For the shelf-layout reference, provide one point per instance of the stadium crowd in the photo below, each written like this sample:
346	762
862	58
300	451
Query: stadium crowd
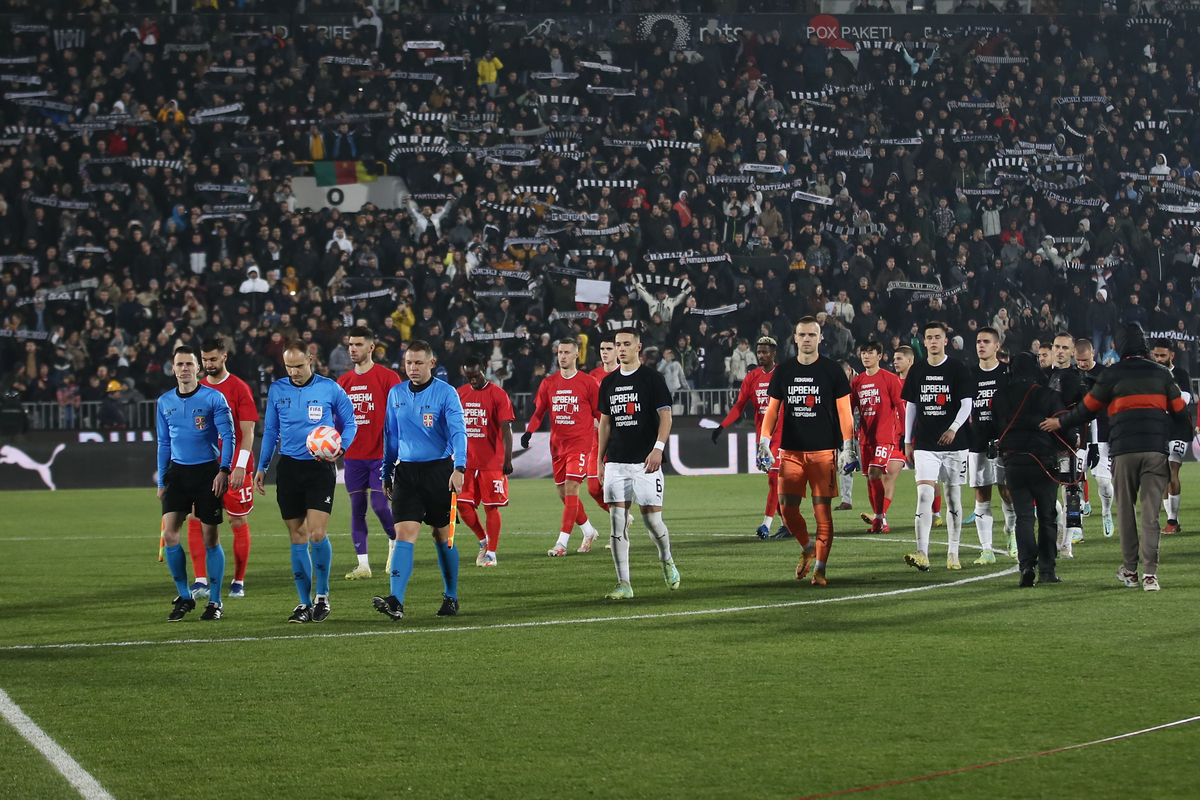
1030	177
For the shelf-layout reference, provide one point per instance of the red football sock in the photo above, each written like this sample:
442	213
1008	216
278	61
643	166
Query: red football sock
580	515
493	527
875	493
596	490
937	504
824	530
887	502
469	516
241	549
772	493
196	548
570	502
796	524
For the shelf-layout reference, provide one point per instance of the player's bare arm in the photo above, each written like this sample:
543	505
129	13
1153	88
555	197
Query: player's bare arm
506	433
245	437
602	434
654	460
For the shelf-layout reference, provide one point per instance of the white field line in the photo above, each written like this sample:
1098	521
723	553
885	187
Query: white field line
511	625
79	778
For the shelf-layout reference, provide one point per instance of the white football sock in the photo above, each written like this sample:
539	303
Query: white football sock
1010	515
589	529
1106	495
564	539
203	581
1173	506
619	538
767	521
658	532
1167	506
924	516
984	522
362	561
952	499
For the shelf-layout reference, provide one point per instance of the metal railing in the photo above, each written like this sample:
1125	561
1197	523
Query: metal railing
139	415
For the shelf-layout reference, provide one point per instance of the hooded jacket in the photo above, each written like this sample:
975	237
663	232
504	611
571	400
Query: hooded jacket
1140	395
1019	408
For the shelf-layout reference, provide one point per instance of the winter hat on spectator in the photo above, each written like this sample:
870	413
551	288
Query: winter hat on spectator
1103	293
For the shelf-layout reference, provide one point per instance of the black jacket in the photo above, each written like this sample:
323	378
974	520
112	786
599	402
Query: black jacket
1142	400
1018	410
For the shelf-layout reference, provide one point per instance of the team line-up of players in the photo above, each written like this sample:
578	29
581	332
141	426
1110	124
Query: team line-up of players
416	450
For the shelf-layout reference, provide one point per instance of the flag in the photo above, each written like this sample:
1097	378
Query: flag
335	173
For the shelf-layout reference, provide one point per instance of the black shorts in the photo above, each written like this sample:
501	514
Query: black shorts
421	492
304	485
189	490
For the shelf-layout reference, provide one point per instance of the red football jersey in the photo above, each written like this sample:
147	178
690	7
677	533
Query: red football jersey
484	411
754	387
241	403
877	400
368	392
574	406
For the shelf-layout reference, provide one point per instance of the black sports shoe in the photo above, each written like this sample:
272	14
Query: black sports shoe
320	611
182	606
211	611
389	605
449	607
302	613
1049	577
1026	579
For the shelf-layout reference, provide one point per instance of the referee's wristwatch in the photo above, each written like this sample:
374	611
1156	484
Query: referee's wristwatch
226	470
462	470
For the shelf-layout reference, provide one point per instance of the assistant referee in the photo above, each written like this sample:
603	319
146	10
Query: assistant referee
424	461
191	420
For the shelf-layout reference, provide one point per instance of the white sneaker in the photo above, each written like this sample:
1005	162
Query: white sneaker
482	552
1065	552
1108	525
588	538
488	560
1150	583
557	550
1128	578
359	573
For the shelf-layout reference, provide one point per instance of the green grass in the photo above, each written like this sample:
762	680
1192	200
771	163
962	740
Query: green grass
778	702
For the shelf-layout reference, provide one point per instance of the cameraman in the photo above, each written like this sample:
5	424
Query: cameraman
1030	458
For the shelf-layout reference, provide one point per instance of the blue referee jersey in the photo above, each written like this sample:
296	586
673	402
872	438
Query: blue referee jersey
423	426
294	411
194	429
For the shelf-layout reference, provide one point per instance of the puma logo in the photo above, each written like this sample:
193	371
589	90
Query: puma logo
11	455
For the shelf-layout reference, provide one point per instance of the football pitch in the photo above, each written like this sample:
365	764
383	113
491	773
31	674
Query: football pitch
745	683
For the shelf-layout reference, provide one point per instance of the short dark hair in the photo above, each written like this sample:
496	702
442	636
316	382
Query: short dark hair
808	320
472	361
906	350
872	346
213	345
988	329
420	346
608	336
1083	344
362	331
571	340
185	350
634	332
1162	342
936	324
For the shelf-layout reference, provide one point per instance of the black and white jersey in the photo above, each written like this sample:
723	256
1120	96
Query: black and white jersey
937	392
987	383
1089	380
1179	430
632	401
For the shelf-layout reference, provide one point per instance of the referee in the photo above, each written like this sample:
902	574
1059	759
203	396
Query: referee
424	461
191	420
304	485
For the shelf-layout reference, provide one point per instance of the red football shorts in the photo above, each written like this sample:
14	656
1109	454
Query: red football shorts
801	469
570	466
879	455
592	471
489	487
